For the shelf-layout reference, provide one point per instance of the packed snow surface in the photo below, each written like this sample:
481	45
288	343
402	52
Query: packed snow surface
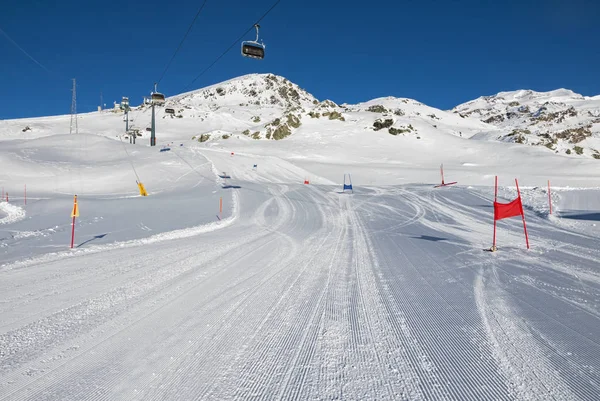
293	290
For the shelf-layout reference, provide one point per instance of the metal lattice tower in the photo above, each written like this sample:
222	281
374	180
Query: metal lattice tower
74	109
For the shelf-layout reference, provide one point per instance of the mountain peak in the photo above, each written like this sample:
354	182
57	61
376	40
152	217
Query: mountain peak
256	89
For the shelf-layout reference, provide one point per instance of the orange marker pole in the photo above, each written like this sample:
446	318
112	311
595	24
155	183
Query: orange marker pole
221	207
74	214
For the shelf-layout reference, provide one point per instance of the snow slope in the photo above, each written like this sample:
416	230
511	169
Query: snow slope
100	172
295	291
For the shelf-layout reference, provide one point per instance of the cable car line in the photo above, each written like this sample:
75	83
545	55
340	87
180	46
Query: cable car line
157	98
182	40
130	161
237	41
23	51
255	50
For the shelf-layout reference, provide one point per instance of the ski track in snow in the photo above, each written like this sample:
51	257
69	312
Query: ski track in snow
306	293
516	353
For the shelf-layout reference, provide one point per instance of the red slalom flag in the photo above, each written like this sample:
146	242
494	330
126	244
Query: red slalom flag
505	210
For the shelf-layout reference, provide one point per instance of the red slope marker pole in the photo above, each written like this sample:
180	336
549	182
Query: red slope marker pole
443	184
221	208
549	197
73	232
522	214
442	171
495	199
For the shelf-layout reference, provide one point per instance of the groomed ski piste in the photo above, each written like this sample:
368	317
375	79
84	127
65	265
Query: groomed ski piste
293	290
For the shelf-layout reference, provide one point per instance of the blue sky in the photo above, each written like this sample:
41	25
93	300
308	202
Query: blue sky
441	53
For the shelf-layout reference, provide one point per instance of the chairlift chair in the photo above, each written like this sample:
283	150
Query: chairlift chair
157	97
252	48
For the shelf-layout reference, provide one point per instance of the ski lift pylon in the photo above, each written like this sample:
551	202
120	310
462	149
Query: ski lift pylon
125	103
252	48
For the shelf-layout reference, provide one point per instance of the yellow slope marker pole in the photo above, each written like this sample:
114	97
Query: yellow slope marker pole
74	213
142	189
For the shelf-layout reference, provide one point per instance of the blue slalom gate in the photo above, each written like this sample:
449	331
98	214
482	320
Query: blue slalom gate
348	184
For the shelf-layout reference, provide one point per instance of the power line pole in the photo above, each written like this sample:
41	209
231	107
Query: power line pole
74	109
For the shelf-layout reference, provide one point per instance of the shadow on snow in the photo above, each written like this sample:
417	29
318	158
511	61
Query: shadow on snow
580	215
92	239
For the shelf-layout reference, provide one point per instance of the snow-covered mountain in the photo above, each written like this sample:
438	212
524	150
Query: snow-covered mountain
560	120
259	108
267	106
270	107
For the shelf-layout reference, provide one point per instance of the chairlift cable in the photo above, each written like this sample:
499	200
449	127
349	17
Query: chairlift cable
218	58
236	43
129	158
23	51
182	40
54	75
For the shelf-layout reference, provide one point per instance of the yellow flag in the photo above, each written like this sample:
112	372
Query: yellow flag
75	212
